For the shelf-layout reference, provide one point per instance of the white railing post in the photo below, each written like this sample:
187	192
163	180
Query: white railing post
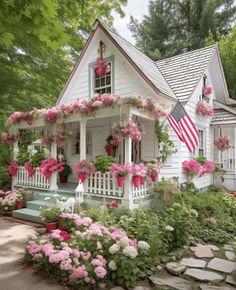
53	179
128	197
15	157
83	139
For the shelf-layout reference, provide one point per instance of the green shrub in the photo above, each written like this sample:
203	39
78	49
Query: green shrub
103	163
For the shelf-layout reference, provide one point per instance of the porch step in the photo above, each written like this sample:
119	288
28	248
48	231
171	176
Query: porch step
37	204
50	198
27	214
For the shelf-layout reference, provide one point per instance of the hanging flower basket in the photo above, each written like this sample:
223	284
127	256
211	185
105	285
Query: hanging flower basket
127	129
82	169
154	177
142	180
153	170
120	180
222	143
204	109
136	181
206	90
50	165
102	67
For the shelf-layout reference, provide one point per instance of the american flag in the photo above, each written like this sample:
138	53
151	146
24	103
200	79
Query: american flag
184	127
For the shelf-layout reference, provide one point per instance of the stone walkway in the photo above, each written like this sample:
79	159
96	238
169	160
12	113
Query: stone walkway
13	274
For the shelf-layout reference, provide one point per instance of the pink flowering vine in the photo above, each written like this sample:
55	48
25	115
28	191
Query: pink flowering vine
9	139
29	168
12	168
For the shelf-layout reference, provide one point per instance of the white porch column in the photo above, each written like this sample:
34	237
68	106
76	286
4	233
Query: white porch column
53	180
15	156
128	198
83	124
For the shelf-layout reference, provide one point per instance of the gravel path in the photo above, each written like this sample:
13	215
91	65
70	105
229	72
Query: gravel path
14	275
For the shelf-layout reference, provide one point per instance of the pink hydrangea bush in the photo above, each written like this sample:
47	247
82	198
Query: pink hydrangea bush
9	200
50	165
191	168
204	109
89	254
222	143
127	129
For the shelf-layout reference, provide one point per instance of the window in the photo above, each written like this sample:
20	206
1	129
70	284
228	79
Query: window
201	146
103	84
76	143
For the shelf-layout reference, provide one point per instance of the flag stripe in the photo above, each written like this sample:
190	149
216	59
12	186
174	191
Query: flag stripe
187	138
195	138
175	127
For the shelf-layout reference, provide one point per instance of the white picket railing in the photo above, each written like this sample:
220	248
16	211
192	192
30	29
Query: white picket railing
227	158
103	184
36	181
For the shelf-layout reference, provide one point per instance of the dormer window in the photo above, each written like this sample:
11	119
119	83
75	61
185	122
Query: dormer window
102	83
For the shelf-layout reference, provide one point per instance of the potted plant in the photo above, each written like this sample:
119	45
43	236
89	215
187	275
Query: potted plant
153	170
82	169
136	172
63	175
121	171
19	200
8	202
49	216
103	163
222	143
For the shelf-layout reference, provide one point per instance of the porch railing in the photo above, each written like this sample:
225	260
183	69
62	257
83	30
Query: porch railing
105	184
36	181
227	158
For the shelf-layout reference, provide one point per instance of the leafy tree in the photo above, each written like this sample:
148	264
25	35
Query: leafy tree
173	26
39	43
227	44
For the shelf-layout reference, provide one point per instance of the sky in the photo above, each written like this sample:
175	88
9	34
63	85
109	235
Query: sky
136	8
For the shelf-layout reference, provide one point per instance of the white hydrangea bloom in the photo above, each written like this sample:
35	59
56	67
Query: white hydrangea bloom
124	242
169	228
114	248
143	245
130	252
112	265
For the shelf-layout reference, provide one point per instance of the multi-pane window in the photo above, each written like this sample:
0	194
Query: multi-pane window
102	83
201	146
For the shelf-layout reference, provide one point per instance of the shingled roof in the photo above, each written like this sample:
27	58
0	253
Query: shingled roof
183	71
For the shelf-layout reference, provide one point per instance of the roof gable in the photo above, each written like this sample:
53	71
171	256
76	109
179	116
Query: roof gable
183	72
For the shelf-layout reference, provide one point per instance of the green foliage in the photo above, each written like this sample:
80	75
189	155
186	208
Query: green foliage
166	146
201	160
174	26
39	44
103	163
49	214
227	45
101	214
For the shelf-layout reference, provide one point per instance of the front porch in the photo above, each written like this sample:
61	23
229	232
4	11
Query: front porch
86	141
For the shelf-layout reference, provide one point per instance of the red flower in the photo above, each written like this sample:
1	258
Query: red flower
65	235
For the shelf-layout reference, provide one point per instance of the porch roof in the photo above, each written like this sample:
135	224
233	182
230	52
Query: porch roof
122	106
224	115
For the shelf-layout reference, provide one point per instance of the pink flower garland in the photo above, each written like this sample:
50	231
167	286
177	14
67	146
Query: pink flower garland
8	139
50	165
127	129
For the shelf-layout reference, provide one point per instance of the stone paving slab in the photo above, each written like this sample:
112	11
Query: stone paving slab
205	276
222	265
228	247
229	279
170	281
230	255
210	287
175	268
193	263
202	251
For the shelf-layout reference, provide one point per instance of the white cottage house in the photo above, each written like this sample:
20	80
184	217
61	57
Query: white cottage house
179	78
